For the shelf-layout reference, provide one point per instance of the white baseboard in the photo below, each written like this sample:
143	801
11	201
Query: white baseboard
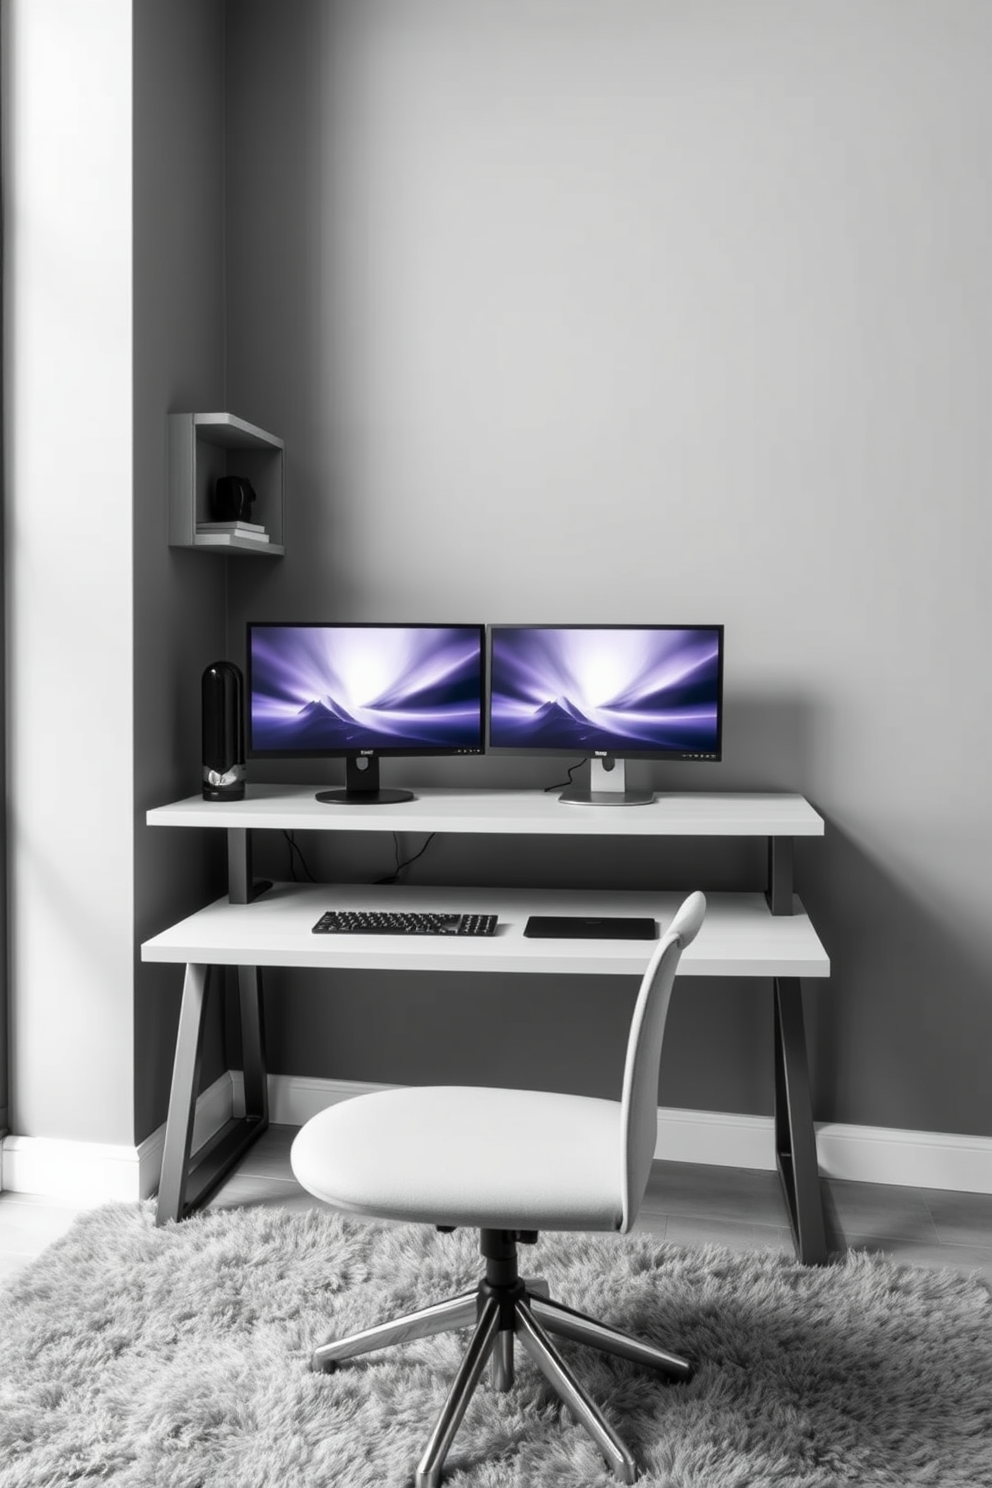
858	1154
77	1172
98	1172
293	1099
94	1173
880	1154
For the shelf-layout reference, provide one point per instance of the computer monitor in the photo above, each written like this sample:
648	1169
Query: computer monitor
610	692
363	692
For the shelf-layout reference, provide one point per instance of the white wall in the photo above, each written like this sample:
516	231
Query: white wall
68	337
657	311
115	313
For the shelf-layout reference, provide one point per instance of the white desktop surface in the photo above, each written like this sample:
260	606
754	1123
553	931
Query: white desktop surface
739	937
693	814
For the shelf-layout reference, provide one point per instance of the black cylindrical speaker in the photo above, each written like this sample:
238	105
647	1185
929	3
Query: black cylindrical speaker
222	695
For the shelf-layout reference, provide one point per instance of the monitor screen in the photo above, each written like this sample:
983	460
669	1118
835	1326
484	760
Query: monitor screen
365	690
620	691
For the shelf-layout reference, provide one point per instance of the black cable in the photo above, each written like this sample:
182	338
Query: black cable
562	783
392	877
295	851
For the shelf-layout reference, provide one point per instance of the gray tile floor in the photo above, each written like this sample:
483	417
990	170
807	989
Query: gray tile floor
685	1203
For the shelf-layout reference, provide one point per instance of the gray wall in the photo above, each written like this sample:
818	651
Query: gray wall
179	596
585	312
648	312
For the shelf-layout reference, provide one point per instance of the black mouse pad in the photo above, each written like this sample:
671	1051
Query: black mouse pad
591	927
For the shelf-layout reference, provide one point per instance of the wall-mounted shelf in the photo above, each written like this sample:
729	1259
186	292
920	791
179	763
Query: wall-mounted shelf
203	446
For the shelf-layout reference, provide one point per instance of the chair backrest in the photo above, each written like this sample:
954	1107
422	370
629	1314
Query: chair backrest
639	1114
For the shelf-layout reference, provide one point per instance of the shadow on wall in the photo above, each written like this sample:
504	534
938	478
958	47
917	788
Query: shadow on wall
899	1036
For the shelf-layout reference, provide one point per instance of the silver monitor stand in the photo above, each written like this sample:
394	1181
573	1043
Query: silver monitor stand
606	787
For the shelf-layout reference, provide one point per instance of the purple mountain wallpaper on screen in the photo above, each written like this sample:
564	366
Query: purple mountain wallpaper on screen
341	688
623	690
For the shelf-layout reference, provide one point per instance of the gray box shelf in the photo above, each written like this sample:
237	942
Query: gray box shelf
203	446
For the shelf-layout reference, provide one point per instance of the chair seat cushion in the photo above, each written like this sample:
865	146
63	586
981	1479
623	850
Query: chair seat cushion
463	1155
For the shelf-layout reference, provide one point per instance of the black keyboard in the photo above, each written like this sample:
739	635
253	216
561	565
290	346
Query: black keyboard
392	922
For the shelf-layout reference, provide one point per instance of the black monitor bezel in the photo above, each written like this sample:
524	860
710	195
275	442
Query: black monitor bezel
405	751
714	756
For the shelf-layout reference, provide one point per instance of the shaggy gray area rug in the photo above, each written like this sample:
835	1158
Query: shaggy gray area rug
178	1358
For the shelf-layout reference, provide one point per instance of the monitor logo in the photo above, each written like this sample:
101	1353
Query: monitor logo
601	753
366	751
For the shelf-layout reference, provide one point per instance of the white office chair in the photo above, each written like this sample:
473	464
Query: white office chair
509	1163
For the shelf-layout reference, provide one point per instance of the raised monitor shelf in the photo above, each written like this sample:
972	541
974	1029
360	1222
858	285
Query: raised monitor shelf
203	446
442	809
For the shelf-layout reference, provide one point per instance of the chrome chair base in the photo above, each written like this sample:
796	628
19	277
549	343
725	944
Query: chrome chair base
501	1308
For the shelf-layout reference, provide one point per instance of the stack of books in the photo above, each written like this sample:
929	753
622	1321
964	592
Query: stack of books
223	533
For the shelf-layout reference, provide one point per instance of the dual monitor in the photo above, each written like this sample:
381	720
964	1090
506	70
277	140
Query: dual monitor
362	692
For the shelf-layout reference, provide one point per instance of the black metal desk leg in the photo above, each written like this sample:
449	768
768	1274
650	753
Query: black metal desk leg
182	1097
253	1044
795	1138
239	869
188	1178
781	875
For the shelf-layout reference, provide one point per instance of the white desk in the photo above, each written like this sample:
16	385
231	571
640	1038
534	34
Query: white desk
744	934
